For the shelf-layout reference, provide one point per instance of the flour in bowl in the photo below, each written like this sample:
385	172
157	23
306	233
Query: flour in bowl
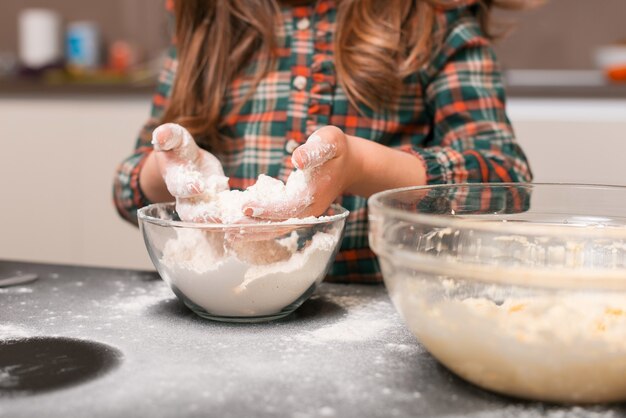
227	206
202	191
212	274
242	271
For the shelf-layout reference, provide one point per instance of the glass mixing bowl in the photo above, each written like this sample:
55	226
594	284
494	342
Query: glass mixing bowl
241	272
518	288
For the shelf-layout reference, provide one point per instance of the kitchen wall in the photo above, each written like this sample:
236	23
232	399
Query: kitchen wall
562	34
143	22
559	34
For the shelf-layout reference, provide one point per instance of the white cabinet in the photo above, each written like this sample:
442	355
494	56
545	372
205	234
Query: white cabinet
573	141
57	160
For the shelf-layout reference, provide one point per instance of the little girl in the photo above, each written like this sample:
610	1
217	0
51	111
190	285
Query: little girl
397	92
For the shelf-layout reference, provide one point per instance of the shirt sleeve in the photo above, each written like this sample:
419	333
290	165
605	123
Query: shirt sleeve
472	139
127	194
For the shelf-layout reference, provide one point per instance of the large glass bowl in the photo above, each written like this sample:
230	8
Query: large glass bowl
518	288
245	272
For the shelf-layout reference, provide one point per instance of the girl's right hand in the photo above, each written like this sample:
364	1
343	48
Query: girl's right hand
183	165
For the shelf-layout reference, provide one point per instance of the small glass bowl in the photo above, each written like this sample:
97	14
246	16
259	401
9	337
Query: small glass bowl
241	272
518	288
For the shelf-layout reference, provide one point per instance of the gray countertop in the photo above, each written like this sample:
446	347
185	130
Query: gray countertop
344	353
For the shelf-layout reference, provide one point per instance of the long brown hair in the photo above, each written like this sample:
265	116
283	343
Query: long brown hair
377	44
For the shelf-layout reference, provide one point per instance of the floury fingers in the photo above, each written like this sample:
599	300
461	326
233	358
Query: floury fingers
315	152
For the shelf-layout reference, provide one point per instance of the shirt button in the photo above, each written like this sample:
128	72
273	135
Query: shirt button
299	82
291	146
303	24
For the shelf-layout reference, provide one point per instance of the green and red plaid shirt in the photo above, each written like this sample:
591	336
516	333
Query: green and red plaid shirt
451	116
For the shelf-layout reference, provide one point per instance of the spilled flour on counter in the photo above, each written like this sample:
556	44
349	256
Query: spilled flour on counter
360	324
16	290
564	347
7	379
8	332
140	299
532	411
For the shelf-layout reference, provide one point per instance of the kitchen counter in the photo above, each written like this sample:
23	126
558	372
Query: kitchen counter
23	88
558	84
607	91
344	353
562	84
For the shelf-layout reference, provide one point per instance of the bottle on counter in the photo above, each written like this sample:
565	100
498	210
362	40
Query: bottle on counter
83	47
39	39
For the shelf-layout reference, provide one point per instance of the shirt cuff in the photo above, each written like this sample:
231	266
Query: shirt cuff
436	172
139	197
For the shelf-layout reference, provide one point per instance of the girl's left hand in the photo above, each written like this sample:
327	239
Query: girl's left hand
331	168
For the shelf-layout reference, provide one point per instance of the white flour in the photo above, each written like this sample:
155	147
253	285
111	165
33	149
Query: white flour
225	280
558	347
318	152
227	206
201	188
16	290
361	323
237	275
11	332
139	300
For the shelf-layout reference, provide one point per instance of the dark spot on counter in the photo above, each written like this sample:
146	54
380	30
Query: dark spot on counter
32	365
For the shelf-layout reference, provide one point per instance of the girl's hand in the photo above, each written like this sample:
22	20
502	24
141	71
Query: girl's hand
330	167
183	165
191	174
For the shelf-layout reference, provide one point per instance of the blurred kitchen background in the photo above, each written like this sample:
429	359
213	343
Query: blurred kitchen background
71	106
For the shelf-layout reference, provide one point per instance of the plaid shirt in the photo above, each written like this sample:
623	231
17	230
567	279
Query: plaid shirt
451	116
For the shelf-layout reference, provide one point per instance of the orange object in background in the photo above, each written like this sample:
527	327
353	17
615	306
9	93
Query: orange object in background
611	59
121	57
617	73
